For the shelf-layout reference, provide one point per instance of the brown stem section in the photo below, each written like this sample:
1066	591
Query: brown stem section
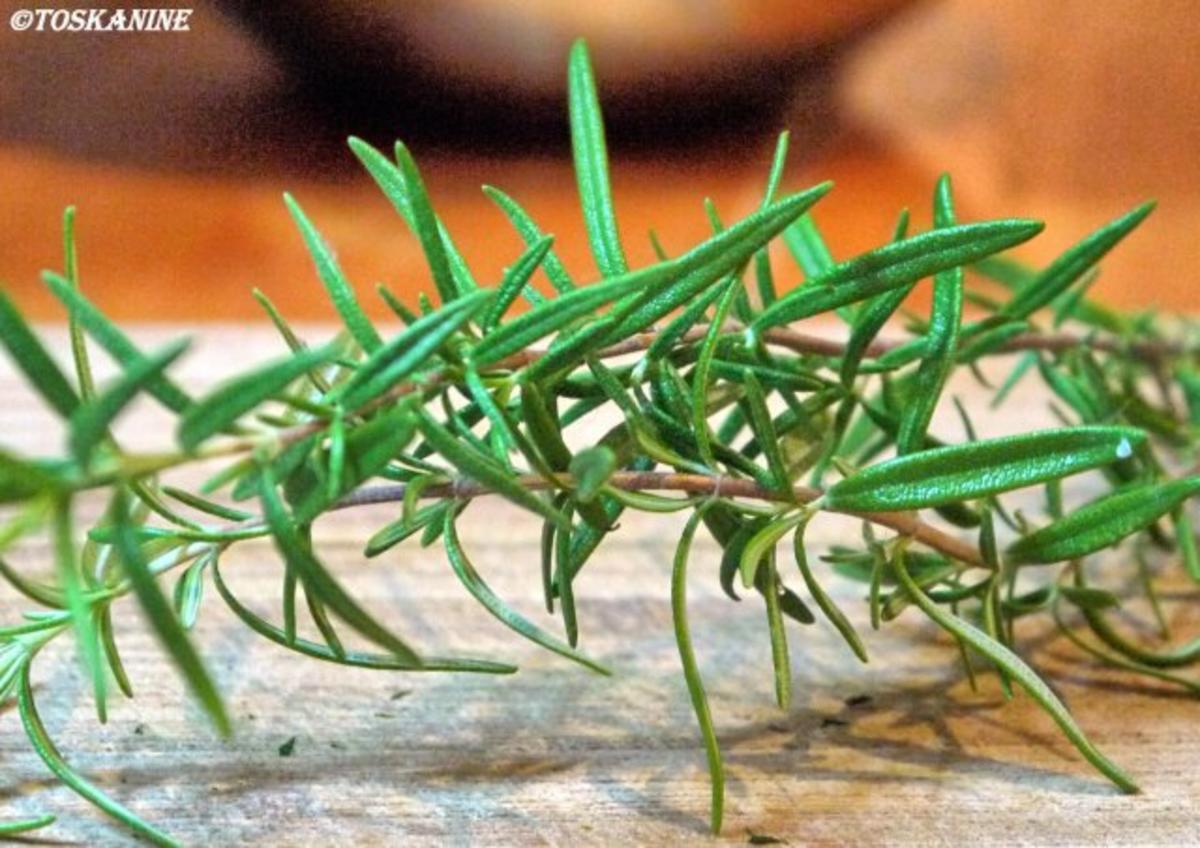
905	523
807	343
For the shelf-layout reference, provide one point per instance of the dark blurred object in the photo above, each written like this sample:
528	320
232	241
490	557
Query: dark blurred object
256	86
489	72
209	99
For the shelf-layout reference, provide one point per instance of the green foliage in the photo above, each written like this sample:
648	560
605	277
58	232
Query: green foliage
758	428
89	423
941	340
894	265
164	619
591	164
691	670
341	293
1102	522
425	225
227	403
34	360
954	473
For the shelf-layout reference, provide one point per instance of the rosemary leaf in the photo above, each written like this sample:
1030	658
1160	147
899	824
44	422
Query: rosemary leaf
1018	672
34	361
591	164
987	467
228	402
341	293
1102	522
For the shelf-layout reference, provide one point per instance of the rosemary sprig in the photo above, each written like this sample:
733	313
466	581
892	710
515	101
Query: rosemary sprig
470	399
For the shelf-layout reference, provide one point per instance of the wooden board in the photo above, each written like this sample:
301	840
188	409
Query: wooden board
558	756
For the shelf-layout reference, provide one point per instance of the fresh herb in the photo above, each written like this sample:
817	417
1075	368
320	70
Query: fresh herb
729	408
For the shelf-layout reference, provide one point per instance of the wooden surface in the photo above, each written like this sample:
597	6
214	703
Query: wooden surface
557	756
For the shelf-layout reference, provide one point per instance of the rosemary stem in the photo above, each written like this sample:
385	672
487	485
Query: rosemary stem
904	523
783	337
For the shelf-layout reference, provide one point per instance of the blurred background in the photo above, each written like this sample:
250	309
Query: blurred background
176	146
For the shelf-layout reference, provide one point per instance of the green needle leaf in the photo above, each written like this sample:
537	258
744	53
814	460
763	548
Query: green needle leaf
691	670
425	225
1073	264
69	574
90	422
962	472
941	339
804	242
1102	522
591	469
764	433
162	617
700	386
591	164
12	828
516	281
563	584
474	584
1017	671
1091	602
109	641
285	329
34	361
553	315
772	589
763	277
708	262
763	543
528	230
1185	539
894	265
664	343
540	416
408	351
319	581
354	659
388	177
113	340
778	163
873	315
227	403
21	480
45	748
79	351
189	592
39	593
483	469
341	293
825	603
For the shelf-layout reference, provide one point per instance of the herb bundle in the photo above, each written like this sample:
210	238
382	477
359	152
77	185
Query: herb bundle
721	408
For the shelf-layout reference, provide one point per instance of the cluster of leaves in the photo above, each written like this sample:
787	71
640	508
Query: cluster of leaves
718	407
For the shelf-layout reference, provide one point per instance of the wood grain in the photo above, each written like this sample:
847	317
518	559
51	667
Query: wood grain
900	751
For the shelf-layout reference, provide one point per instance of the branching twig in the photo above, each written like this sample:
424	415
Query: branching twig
905	523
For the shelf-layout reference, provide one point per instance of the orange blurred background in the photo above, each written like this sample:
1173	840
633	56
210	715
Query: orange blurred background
175	147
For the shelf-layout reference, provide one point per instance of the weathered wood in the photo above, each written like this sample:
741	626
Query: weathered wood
556	755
